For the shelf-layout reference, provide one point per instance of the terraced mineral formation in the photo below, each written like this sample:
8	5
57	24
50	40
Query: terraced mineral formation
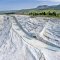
26	38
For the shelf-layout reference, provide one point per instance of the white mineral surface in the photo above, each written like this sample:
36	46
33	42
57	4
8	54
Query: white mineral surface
26	38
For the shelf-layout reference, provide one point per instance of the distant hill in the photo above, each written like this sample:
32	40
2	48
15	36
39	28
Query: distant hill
56	7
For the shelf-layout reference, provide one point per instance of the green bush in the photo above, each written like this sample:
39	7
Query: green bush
44	13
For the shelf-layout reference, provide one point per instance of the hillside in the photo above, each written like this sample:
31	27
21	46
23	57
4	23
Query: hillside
56	7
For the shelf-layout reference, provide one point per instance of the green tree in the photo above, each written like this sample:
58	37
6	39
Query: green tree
54	13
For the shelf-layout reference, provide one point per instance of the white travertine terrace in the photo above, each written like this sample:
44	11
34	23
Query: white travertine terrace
26	38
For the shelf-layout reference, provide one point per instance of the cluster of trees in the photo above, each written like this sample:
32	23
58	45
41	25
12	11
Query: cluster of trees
53	13
43	13
10	13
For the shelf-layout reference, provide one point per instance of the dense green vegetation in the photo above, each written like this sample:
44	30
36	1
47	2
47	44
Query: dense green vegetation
52	13
44	13
39	12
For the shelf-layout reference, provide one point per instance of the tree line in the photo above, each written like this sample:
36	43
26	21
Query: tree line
43	13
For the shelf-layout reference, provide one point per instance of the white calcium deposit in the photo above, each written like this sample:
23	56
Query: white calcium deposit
51	32
26	38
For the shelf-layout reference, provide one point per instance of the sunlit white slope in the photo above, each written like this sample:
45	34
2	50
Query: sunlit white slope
51	32
13	46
